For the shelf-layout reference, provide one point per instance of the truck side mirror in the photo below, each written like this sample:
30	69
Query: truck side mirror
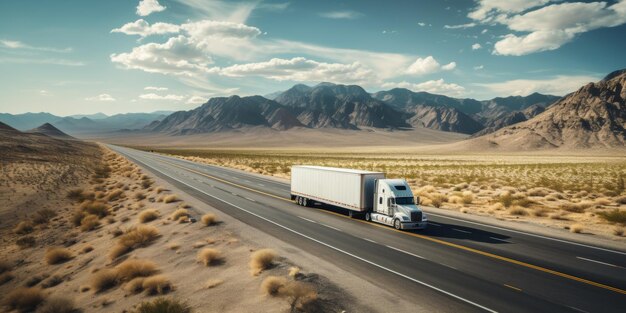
417	199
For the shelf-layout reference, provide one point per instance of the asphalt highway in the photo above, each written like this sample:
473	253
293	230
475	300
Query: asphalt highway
452	266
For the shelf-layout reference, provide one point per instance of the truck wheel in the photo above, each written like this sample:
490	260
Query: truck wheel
296	199
300	200
304	202
368	217
351	214
396	224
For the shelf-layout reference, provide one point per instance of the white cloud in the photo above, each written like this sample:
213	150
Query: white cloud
50	61
155	88
558	85
484	31
153	96
142	28
476	46
302	69
462	26
421	24
479	67
428	65
196	100
101	97
438	86
348	15
547	27
207	28
490	10
231	11
273	6
13	44
147	7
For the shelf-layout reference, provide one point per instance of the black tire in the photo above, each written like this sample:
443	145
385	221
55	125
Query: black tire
300	200
350	213
305	202
396	224
368	217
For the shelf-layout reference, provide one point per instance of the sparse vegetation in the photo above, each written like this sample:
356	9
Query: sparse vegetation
298	293
24	299
24	227
170	198
134	238
133	268
179	213
163	305
576	228
261	260
209	219
58	305
58	255
103	280
615	216
26	242
158	284
148	215
89	222
209	256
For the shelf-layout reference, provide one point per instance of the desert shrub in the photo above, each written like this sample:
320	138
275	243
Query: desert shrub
576	207
468	197
136	237
26	242
272	285
159	190
158	284
176	215
576	228
209	256
24	299
118	250
146	183
24	227
455	199
148	215
615	216
116	232
506	199
139	195
89	222
79	195
538	192
52	281
209	219
261	260
135	285
171	198
212	283
57	305
103	280
540	212
518	211
163	305
621	200
5	266
97	208
294	271
115	195
618	231
43	216
58	255
130	269
5	278
523	202
438	199
77	217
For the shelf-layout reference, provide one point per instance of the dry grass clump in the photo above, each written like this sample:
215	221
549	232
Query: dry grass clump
212	283
618	231
261	260
135	285
179	213
26	242
115	195
5	278
615	216
209	256
158	284
139	196
294	271
24	299
171	198
576	228
148	215
506	199
89	223
576	207
136	237
58	255
5	266
209	219
437	199
163	305
79	195
519	211
97	208
540	212
24	227
103	280
298	293
130	269
455	199
621	200
159	189
57	305
43	216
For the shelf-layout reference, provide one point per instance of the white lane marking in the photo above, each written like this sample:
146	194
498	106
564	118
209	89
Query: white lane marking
247	181
529	234
434	224
577	309
308	220
335	228
250	199
590	260
370	240
463	231
261	185
498	239
446	265
332	247
406	252
234	194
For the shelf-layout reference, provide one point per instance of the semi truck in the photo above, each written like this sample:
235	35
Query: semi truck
362	193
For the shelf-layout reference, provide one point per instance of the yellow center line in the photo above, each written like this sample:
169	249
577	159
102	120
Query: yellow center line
446	243
514	288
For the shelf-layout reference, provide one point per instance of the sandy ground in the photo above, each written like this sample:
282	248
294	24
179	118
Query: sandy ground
227	286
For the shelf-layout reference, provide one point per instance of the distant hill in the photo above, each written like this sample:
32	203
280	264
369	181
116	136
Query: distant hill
95	116
49	130
27	121
592	117
498	108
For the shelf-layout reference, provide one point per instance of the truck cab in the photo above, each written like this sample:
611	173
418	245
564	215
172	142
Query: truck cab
394	205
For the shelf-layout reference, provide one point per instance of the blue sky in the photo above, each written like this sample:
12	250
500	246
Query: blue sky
69	57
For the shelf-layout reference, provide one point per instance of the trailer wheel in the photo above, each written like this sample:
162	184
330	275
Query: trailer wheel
305	202
299	200
368	217
396	224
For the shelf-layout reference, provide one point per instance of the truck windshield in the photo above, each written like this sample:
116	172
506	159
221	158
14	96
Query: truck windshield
405	200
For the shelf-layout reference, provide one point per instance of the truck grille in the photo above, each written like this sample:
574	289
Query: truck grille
416	216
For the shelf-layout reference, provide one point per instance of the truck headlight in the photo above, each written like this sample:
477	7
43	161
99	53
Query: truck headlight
424	217
405	218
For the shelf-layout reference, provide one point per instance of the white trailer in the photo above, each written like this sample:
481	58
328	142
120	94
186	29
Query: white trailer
362	193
